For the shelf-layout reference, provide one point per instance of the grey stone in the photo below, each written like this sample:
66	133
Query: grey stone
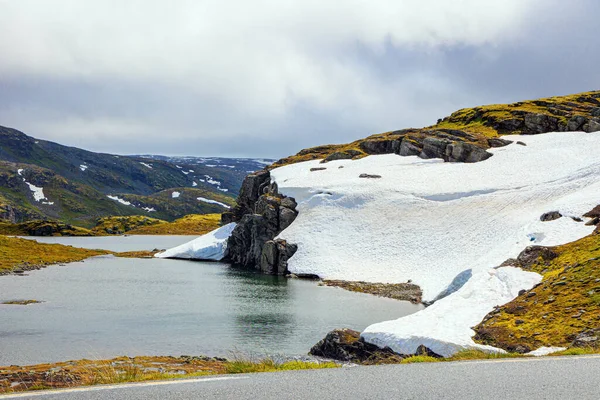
497	142
369	176
434	148
550	216
589	338
289	202
575	123
286	217
593	125
540	123
465	152
409	148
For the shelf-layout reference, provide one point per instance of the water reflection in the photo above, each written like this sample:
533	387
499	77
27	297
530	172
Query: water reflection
111	306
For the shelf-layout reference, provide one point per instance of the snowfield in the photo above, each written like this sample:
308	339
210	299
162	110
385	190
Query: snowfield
430	221
444	226
207	247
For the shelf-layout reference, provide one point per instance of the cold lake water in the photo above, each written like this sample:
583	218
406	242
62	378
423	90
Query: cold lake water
106	306
118	243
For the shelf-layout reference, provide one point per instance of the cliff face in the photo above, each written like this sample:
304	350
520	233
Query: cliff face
262	212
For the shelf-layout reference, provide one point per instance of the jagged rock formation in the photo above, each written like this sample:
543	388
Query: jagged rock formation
261	214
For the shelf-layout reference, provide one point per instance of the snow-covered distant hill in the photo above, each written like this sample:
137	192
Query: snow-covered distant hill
45	180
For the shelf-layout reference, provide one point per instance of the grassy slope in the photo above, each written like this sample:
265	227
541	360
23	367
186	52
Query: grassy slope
136	369
22	253
482	123
194	224
553	313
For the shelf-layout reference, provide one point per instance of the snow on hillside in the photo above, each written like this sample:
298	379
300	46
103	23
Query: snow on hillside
430	221
207	247
427	220
120	200
205	200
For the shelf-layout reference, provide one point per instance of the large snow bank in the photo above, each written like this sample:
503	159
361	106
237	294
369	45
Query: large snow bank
428	221
444	327
207	247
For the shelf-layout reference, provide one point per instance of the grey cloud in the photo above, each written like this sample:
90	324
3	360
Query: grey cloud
316	93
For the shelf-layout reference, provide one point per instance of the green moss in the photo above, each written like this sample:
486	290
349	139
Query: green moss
554	312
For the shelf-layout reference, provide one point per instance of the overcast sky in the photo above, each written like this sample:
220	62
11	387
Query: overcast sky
268	78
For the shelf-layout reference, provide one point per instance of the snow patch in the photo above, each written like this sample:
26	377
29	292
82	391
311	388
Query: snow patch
544	351
120	200
175	195
83	167
204	199
194	184
20	171
38	192
207	247
445	326
149	209
146	165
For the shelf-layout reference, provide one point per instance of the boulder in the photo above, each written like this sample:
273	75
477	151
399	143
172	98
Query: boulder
534	254
434	148
576	123
286	217
409	147
342	155
539	123
369	176
385	146
497	142
550	216
593	125
347	345
465	152
589	338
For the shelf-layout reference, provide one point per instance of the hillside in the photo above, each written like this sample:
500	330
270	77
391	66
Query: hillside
45	180
478	126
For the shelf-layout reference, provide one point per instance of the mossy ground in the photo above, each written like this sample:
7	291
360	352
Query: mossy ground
194	224
26	254
136	369
52	228
565	303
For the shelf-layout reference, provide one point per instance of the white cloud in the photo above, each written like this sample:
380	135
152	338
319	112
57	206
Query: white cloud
251	54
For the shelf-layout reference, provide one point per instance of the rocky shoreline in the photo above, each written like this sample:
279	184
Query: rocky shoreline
397	291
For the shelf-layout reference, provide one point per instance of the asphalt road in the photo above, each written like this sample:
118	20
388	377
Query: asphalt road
542	378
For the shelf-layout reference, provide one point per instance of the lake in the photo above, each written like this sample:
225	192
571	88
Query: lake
107	306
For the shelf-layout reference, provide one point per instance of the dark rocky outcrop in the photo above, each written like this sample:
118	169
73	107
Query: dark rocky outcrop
261	214
530	256
588	339
550	216
347	345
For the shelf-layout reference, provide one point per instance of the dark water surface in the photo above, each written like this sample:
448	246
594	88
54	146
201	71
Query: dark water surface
109	306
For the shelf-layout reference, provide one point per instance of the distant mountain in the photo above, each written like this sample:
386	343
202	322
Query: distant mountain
42	179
